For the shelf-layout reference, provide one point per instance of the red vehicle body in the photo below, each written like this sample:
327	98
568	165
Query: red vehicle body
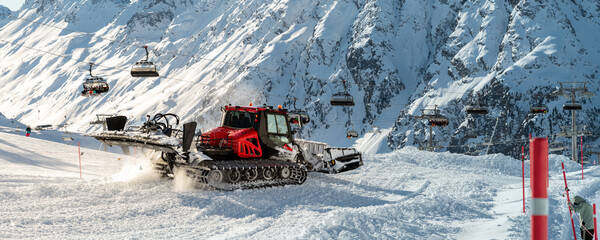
248	132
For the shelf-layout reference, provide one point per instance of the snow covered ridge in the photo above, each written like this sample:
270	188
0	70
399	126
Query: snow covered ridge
396	56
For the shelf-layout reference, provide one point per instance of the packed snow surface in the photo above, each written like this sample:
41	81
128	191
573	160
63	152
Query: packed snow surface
404	194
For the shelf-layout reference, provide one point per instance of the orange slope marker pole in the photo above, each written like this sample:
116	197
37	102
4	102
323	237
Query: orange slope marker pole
569	200
79	154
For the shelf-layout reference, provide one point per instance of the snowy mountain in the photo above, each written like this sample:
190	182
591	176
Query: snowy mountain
443	196
510	55
396	57
4	12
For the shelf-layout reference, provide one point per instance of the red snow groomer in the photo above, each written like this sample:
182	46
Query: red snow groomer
253	147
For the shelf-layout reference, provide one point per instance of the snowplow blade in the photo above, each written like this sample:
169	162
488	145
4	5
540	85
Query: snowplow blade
343	159
127	140
323	158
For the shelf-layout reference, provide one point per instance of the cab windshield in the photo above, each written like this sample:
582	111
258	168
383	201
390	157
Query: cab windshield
238	119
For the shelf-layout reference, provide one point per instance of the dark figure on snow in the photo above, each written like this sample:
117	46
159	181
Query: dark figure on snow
586	217
28	131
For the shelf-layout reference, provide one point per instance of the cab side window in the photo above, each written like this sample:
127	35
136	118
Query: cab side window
277	129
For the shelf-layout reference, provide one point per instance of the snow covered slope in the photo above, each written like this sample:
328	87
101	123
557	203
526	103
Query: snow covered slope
405	194
397	58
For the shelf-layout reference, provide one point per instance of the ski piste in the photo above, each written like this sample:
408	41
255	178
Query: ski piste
254	147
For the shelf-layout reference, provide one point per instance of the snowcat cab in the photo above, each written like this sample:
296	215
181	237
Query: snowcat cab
144	68
94	86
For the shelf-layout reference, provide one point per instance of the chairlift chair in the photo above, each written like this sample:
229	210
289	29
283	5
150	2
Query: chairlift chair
144	68
573	105
342	99
471	134
93	85
476	109
375	130
296	117
538	110
438	120
351	134
67	137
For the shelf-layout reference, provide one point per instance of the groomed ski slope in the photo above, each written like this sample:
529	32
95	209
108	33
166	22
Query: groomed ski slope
404	194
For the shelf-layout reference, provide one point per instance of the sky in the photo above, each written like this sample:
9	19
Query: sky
14	5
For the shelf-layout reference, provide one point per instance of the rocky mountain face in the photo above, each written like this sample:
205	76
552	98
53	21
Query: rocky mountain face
4	12
509	55
395	58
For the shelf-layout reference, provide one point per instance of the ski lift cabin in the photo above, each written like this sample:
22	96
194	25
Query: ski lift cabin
538	110
342	99
94	86
351	134
144	68
573	105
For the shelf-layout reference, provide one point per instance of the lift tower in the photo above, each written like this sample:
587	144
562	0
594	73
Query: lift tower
570	90
434	118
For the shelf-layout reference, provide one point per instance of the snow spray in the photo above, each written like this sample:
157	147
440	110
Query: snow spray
538	152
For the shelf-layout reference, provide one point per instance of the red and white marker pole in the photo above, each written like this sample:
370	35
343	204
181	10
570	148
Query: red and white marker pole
79	153
595	231
581	157
523	173
538	162
569	201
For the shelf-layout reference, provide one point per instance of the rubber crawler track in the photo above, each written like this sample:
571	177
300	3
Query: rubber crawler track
246	174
